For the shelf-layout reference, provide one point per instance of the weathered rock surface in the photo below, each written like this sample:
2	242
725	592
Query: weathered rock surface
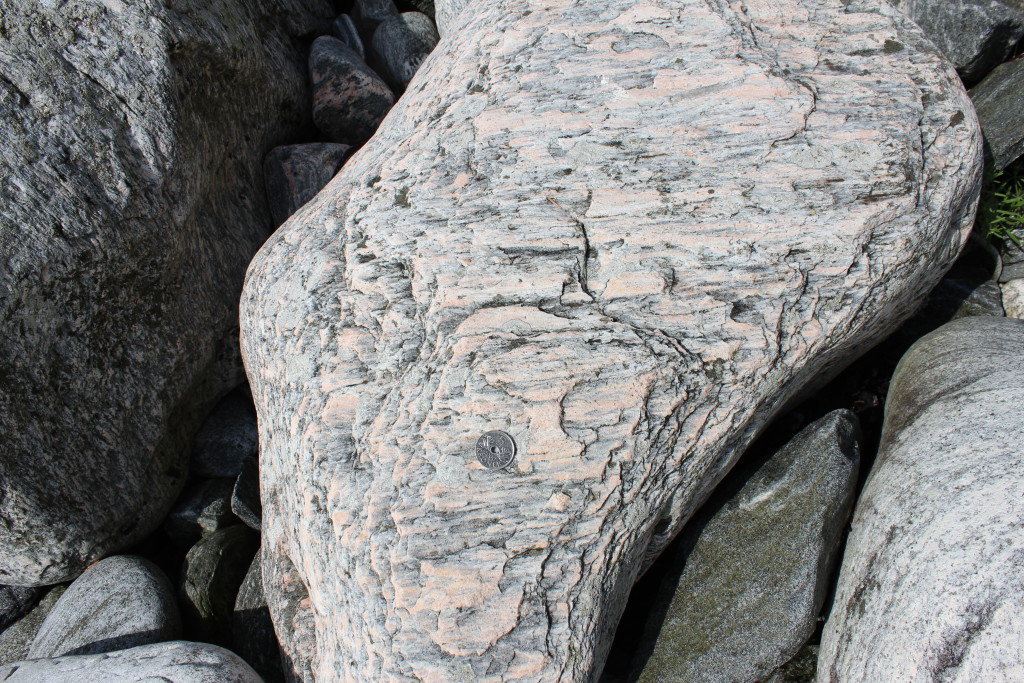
118	603
446	12
1013	297
349	98
245	496
214	569
131	140
178	661
625	233
400	45
15	602
295	173
975	35
16	639
999	101
203	508
227	438
750	571
252	628
931	586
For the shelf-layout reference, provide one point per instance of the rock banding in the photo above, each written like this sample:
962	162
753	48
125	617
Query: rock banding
131	138
624	233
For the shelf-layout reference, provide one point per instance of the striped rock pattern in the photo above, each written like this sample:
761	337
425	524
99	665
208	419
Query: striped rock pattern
626	233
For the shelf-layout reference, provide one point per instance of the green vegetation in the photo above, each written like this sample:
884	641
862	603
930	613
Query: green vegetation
1001	210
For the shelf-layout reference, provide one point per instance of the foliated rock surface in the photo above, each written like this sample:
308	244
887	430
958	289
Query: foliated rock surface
118	603
932	586
625	233
177	661
131	140
750	575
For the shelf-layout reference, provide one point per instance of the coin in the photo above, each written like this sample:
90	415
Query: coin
495	450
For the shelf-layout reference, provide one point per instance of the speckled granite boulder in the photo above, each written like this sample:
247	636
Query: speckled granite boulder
131	141
400	45
177	661
349	98
975	35
16	639
625	233
931	586
295	173
118	603
751	569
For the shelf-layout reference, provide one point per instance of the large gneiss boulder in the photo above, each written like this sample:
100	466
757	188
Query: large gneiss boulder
131	141
177	661
932	585
623	233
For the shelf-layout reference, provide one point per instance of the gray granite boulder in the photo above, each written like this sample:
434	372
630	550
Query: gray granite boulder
931	586
245	496
252	628
132	136
16	639
204	507
349	98
177	662
118	603
400	45
999	101
214	569
627	253
16	601
227	438
446	12
750	572
295	173
975	35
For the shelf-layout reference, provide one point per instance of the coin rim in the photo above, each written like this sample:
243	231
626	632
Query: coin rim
476	449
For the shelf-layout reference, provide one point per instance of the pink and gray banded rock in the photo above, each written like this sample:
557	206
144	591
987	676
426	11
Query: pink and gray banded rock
626	234
349	98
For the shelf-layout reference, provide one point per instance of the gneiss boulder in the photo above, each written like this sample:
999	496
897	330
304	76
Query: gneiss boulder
118	603
131	141
750	571
178	661
931	586
624	234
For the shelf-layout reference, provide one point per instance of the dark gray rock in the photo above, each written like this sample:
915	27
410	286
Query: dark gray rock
132	137
15	602
931	586
118	603
17	638
349	98
295	173
400	45
203	508
214	569
750	571
227	438
369	14
245	497
344	29
425	6
252	628
801	669
999	101
975	35
178	661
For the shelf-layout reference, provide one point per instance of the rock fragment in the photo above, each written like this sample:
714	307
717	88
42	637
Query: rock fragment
253	629
214	569
203	508
16	639
245	496
295	173
999	101
349	99
16	601
400	45
344	29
